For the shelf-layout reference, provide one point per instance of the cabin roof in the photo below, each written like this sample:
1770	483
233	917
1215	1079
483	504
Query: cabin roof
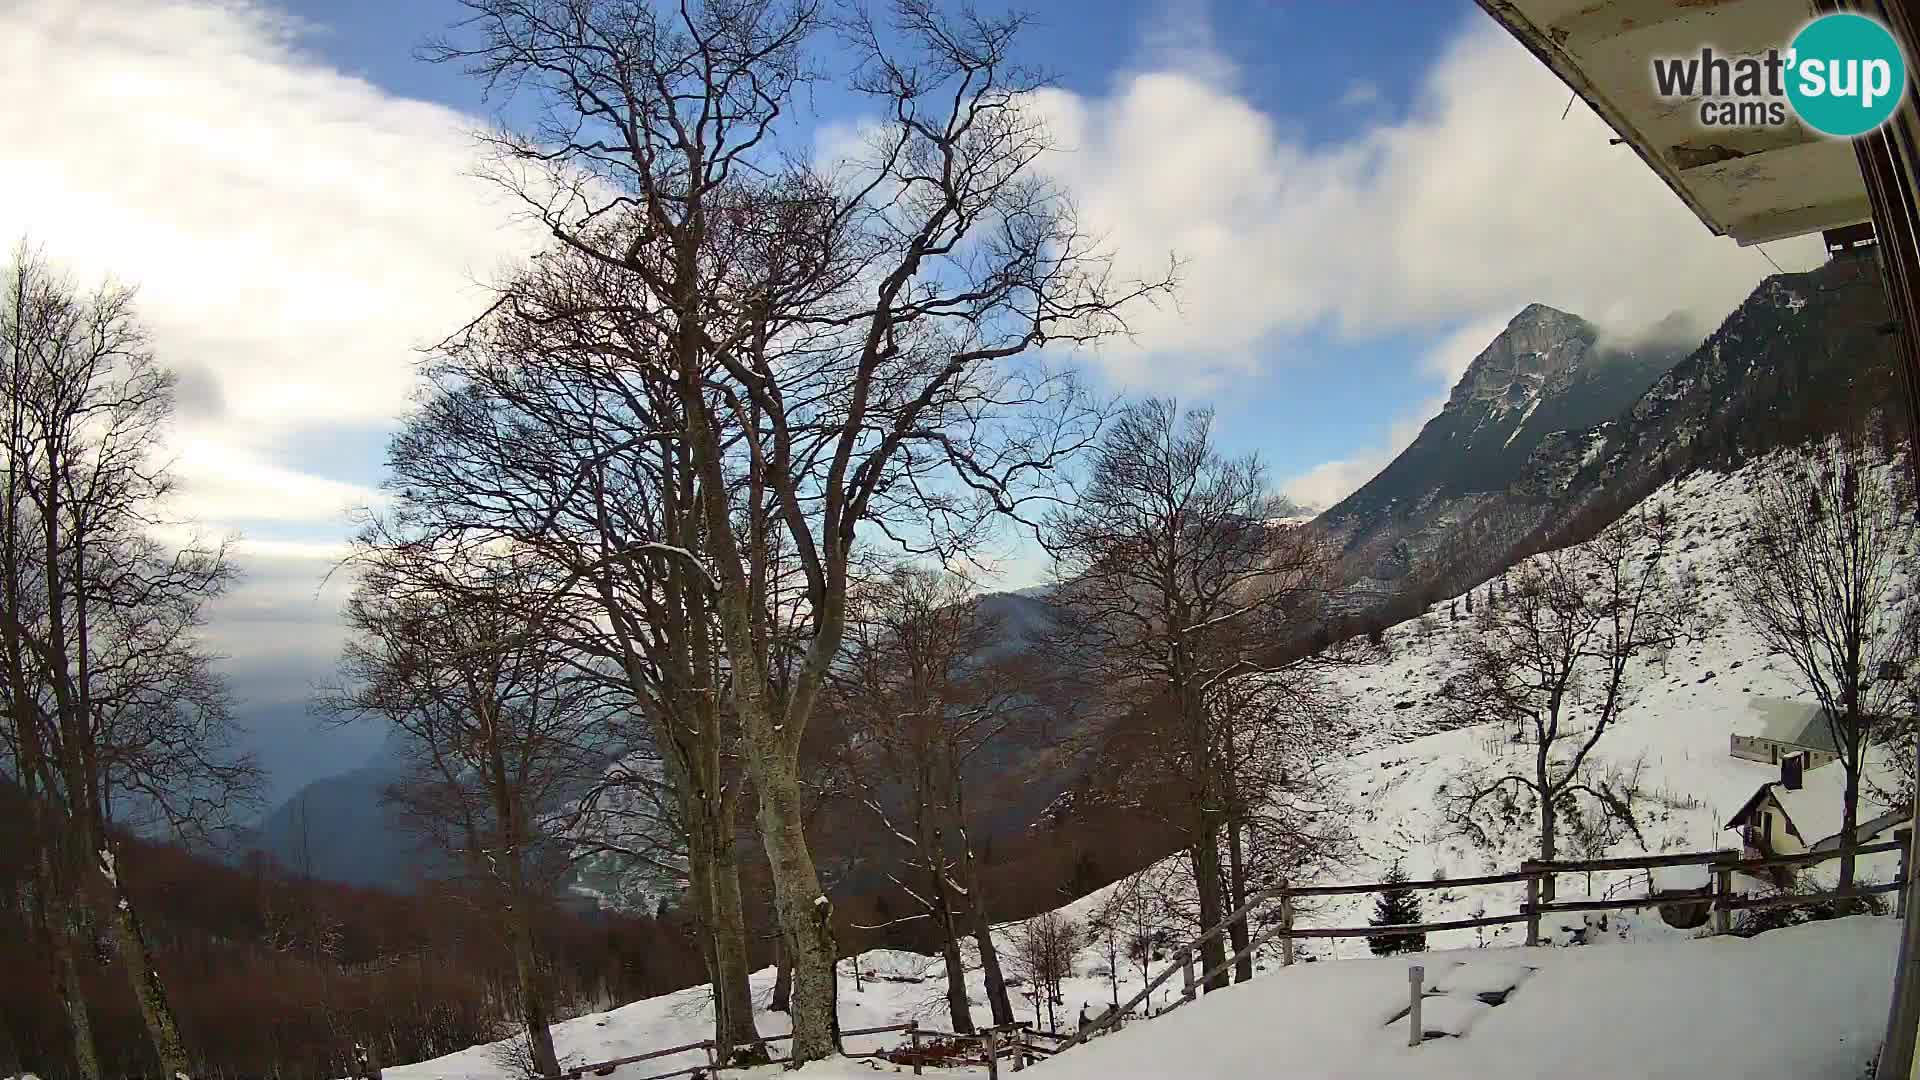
1793	723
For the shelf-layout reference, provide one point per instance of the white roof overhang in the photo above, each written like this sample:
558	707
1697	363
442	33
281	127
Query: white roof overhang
1754	183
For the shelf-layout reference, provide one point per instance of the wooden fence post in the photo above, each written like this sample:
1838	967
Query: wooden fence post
1286	924
1416	985
913	1039
1905	837
1722	898
1186	965
1533	902
992	1041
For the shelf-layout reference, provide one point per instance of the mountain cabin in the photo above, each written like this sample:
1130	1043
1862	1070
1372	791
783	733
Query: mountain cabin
1786	817
1774	729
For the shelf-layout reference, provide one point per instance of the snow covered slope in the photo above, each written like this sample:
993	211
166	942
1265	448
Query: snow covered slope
1801	1002
1677	732
1807	1003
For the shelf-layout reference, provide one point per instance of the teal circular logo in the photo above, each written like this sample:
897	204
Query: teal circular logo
1845	75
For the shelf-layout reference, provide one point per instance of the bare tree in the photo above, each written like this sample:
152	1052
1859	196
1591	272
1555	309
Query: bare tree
1175	585
499	724
845	342
1044	948
922	698
1129	926
1815	575
538	432
115	717
1557	662
1274	754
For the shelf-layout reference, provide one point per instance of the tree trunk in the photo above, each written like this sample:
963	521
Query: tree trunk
1205	855
1547	848
740	1036
57	919
1237	896
997	997
533	998
805	913
1849	824
63	927
137	957
933	850
958	1007
782	974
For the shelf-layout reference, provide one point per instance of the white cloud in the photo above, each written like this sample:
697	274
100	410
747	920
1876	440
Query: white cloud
295	233
1482	200
1330	481
1448	359
219	481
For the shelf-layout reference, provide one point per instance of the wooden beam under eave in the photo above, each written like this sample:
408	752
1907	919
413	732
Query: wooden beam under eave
1798	222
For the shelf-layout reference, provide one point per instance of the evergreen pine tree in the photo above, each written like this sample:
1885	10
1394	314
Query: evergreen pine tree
1396	907
1469	601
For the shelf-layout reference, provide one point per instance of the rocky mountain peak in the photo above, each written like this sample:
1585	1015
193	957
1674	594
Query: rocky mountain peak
1540	348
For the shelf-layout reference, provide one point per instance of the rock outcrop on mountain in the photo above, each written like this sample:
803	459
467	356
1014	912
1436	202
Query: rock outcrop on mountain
1546	373
1549	436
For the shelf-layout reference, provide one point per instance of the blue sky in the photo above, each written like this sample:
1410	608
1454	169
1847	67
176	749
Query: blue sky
1319	69
1364	192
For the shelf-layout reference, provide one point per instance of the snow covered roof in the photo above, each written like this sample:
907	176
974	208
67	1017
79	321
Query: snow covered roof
1815	811
1868	829
1794	723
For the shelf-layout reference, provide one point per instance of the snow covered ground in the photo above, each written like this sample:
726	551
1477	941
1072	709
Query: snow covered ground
1803	1002
1678	731
1807	1003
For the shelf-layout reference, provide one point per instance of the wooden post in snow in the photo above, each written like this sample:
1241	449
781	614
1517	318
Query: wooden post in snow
991	1040
1416	985
1905	837
1533	902
1722	900
1186	966
913	1040
1286	924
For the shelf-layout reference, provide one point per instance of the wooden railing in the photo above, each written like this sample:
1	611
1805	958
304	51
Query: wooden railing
1718	894
713	1065
1022	1044
1019	1043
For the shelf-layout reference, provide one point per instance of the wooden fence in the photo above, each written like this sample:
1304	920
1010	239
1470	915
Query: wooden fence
1022	1044
713	1066
1018	1043
1719	896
